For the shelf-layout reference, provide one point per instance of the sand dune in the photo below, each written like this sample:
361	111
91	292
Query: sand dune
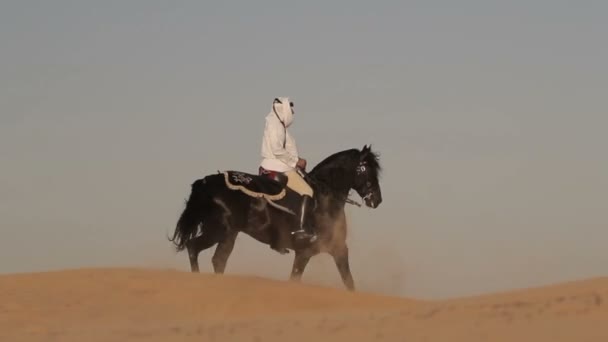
166	305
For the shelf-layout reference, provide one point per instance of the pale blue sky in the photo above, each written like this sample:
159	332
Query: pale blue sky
491	120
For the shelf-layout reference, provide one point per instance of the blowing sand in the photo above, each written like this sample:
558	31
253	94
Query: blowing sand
166	305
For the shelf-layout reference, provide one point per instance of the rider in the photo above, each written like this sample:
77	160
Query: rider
280	155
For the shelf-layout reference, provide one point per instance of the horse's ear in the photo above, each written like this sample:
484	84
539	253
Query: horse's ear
364	152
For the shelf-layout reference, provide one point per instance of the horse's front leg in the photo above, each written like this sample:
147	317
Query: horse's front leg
340	256
299	264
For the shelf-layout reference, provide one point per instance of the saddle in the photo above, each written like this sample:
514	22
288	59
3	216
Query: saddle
255	185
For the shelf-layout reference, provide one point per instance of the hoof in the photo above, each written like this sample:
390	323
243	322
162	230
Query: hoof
281	251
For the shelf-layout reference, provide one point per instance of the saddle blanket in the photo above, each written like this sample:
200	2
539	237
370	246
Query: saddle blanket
254	185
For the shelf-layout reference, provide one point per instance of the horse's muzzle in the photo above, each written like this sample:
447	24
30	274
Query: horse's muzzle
373	200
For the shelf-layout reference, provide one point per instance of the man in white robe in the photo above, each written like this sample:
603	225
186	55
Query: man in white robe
280	155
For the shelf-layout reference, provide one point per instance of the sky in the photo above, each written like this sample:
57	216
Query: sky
490	118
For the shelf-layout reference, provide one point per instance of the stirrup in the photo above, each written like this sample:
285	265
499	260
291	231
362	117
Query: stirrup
302	234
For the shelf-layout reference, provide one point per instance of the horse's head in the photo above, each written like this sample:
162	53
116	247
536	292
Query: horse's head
351	169
366	182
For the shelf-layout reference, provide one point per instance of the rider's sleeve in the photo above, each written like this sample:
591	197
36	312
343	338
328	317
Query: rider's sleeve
277	137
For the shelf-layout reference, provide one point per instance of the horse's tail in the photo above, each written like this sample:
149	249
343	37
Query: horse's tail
197	207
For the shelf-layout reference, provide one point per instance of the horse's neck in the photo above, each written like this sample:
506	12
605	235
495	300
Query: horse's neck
331	184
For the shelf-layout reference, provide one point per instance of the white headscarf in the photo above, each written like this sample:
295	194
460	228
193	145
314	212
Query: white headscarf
283	110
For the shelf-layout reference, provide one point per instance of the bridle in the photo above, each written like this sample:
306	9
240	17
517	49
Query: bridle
361	168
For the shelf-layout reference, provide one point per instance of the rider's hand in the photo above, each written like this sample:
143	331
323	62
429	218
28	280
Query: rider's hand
301	163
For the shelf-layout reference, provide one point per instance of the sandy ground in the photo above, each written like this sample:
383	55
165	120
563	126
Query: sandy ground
166	305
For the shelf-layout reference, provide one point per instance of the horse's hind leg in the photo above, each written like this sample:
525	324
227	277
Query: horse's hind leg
299	264
197	245
223	251
340	256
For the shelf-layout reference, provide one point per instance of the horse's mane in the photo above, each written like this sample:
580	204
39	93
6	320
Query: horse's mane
335	159
372	159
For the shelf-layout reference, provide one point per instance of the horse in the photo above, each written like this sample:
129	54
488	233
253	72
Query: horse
222	205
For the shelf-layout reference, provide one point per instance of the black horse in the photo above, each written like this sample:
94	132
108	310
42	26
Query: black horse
222	205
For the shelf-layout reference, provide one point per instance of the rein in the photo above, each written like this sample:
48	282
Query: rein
351	201
324	186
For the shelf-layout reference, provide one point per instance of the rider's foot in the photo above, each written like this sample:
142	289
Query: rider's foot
302	235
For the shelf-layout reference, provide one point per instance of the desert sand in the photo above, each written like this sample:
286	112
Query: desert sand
168	305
